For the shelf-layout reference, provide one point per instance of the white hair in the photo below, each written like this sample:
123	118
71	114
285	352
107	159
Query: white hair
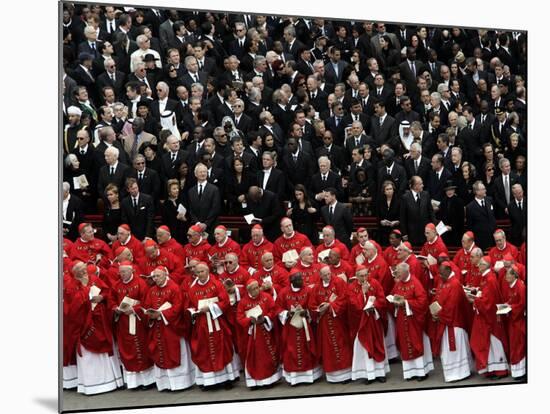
324	158
113	150
66	185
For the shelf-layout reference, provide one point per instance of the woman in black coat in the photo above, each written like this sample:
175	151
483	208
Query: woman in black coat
362	190
388	211
303	214
112	215
238	181
451	213
171	217
389	57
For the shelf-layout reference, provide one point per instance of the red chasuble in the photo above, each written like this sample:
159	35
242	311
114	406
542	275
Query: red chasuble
279	278
379	270
485	320
332	327
283	244
71	328
167	259
134	245
341	269
335	244
262	353
211	350
230	246
200	251
370	330
298	354
497	255
87	251
310	273
252	255
463	259
517	328
410	329
173	247
358	249
390	255
132	348
163	341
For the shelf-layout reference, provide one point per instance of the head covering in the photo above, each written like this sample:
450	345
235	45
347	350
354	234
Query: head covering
220	227
469	234
430	226
443	254
196	228
257	227
446	263
81	226
360	267
361	230
397	231
149	243
251	281
408	245
487	259
126	263
162	269
125	227
149	57
74	110
164	228
119	250
508	257
449	185
92	269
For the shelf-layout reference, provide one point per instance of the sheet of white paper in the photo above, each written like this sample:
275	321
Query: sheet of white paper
255	312
499	265
181	209
76	183
503	308
290	256
440	228
249	218
322	255
370	302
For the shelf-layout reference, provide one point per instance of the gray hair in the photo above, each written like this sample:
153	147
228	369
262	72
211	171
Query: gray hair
417	146
254	94
188	60
259	59
290	30
198	86
502	161
477	252
114	151
324	158
66	185
141	39
403	267
108	62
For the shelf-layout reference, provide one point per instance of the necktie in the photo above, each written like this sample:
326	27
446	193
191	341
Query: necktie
389	171
519	205
112	25
483	203
313	95
433	66
415	166
200	65
112	171
330	212
82	152
173	157
471	126
379	91
417	198
135	203
140	176
337	121
483	118
506	190
324	177
381	120
295	157
194	76
241	43
200	191
356	142
413	70
92	45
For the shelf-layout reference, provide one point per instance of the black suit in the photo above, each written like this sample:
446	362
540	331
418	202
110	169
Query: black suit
170	169
424	167
341	221
245	123
299	171
149	184
140	218
336	156
317	185
188	80
385	133
435	185
73	217
118	178
500	194
283	117
294	49
154	108
398	176
206	208
248	160
337	129
409	77
451	212
275	183
104	80
269	210
519	221
482	222
415	215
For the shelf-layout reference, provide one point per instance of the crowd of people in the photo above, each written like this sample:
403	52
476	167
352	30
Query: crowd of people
178	117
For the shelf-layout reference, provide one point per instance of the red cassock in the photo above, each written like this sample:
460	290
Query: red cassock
390	255
133	349
163	341
283	244
71	328
473	277
450	296
342	269
370	330
164	258
310	273
522	256
517	328
87	251
409	329
502	280
332	327
497	254
184	326
463	259
173	247
344	252
210	351
133	244
279	278
199	250
262	353
111	276
67	244
485	321
94	326
298	354
230	246
434	249
417	270
379	270
358	249
252	254
240	276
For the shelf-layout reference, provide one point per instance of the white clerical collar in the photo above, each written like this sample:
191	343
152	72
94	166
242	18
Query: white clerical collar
436	237
331	243
485	273
374	258
295	289
408	278
223	242
451	275
513	283
127	241
504	248
197	243
205	282
304	264
129	280
234	271
270	269
261	241
165	283
325	284
289	237
470	249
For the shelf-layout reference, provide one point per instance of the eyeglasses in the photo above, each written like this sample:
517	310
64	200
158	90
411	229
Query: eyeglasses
159	90
240	30
81	138
490	169
139	163
112	66
229	261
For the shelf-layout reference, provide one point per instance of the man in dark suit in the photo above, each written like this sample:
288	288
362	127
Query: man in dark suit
292	45
415	212
237	150
266	207
392	171
334	69
138	211
517	211
172	159
107	138
73	213
356	114
437	178
148	180
335	123
410	69
204	200
335	153
503	188
271	178
111	77
243	122
123	47
91	44
109	23
113	172
480	216
325	178
297	165
163	103
193	74
357	139
166	33
338	216
237	46
417	164
384	128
